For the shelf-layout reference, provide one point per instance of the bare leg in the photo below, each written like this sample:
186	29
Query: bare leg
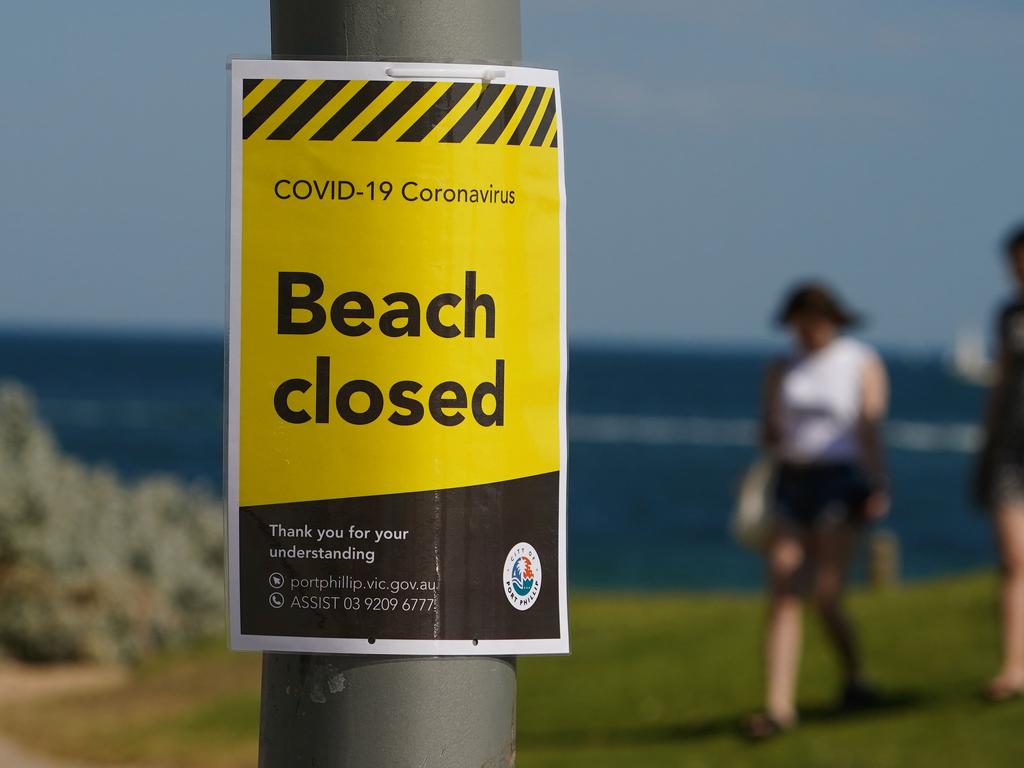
786	559
1009	527
833	550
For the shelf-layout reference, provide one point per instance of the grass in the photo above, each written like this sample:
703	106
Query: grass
654	680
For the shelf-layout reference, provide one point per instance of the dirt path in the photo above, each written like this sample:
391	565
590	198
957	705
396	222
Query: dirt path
21	683
12	756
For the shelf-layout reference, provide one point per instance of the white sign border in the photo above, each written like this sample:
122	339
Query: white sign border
357	70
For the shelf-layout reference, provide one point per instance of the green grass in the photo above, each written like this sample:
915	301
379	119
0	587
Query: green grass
653	681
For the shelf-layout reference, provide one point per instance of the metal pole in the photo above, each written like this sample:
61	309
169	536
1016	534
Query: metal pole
374	712
424	30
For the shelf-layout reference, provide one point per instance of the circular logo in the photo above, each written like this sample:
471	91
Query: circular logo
522	576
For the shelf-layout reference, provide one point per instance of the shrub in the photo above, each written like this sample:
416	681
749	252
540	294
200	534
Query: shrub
92	567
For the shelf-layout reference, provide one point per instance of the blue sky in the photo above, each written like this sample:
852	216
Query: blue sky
716	150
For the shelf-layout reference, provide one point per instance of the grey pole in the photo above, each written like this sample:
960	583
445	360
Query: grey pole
423	30
390	712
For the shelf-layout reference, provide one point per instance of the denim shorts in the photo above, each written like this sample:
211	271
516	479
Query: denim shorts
814	496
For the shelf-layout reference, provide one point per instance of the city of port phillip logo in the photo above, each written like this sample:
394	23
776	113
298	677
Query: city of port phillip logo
522	576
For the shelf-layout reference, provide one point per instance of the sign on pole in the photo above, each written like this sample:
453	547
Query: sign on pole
397	359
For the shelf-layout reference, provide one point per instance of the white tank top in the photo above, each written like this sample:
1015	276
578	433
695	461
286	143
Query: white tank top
820	402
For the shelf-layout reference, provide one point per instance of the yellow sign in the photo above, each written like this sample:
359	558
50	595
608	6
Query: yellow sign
397	282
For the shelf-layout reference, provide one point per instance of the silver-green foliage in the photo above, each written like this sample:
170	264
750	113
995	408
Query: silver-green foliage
92	567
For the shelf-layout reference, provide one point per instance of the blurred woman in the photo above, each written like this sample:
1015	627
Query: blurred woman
822	413
1000	481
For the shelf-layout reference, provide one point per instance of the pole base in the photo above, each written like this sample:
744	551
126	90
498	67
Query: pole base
384	712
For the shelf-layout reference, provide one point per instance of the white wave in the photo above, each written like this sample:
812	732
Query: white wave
620	429
661	430
926	436
117	414
609	429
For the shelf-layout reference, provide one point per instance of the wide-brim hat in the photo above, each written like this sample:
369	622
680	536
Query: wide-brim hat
816	299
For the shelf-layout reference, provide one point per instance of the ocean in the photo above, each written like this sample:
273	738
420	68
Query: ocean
658	440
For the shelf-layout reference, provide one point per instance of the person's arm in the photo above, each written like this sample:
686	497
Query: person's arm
992	416
996	403
770	436
874	407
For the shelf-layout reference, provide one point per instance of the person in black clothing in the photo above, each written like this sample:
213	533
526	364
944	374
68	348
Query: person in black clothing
1000	479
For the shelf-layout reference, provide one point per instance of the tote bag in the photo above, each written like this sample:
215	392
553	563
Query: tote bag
752	516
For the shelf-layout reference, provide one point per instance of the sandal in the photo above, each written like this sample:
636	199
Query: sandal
1002	693
763	727
857	697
